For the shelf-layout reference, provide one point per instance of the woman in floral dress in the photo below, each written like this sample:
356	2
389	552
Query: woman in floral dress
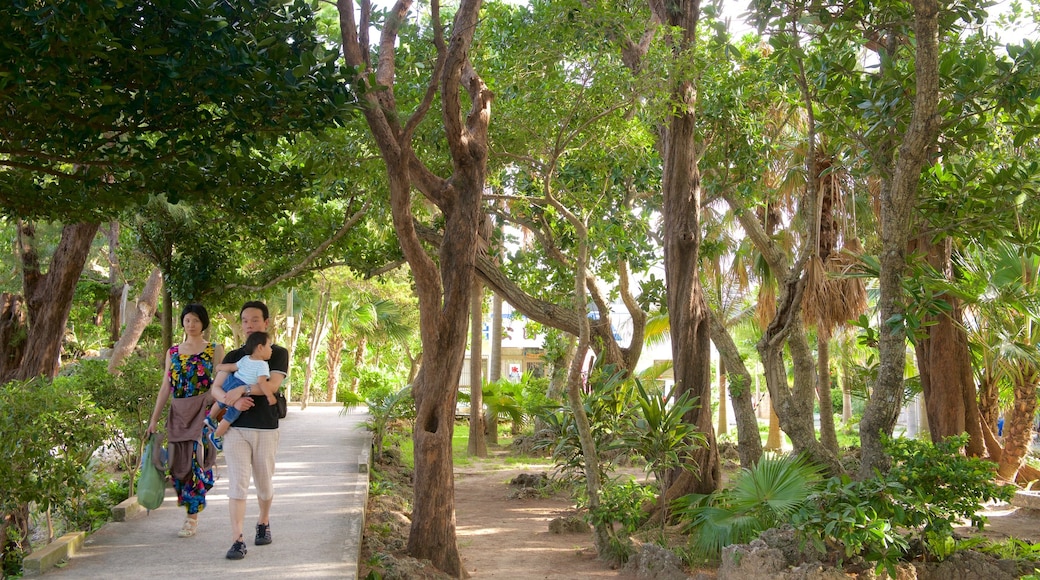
186	383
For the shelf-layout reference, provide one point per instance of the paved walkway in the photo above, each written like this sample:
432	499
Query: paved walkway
316	518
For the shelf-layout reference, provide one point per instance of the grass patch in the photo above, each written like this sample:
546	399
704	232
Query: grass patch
460	450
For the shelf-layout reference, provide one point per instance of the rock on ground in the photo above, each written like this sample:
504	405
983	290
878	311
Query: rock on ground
656	563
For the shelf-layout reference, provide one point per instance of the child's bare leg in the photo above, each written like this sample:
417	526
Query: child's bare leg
222	428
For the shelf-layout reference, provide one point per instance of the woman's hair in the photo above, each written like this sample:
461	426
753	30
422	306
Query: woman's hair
254	340
198	310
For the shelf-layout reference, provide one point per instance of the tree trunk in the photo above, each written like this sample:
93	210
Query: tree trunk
47	299
144	311
167	318
846	393
989	403
477	444
494	366
723	420
294	337
749	441
495	360
443	287
317	337
1018	424
944	360
115	285
681	189
898	202
794	406
333	362
359	359
828	435
558	378
774	438
13	332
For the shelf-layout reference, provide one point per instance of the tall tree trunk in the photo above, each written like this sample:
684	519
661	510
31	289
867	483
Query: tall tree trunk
13	332
749	441
898	203
494	365
317	337
681	189
828	435
846	393
443	287
359	359
144	311
115	284
794	406
477	444
167	318
333	362
723	420
47	299
944	360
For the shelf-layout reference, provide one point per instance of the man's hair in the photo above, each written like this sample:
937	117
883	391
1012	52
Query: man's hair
255	304
198	310
254	340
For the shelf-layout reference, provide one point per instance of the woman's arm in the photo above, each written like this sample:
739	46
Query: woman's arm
161	397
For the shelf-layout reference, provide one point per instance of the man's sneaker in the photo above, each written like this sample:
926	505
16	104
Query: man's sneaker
237	551
263	534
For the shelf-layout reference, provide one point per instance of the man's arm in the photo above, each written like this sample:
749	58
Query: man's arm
279	365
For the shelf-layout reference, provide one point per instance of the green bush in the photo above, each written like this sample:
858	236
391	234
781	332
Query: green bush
609	405
620	502
928	489
373	381
48	433
761	497
129	396
94	508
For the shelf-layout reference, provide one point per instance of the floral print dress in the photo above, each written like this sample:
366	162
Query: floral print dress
192	375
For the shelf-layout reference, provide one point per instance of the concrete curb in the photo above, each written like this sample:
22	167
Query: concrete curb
363	482
53	553
65	547
127	509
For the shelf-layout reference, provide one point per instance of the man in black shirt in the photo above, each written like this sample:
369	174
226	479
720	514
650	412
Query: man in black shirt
252	441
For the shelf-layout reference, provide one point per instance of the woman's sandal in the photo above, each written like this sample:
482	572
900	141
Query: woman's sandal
189	528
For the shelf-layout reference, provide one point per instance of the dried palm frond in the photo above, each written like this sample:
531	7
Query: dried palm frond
766	308
816	295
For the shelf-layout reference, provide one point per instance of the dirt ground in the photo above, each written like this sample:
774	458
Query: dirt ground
504	537
1007	521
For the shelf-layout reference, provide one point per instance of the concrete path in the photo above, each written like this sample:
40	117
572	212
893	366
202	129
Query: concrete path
316	518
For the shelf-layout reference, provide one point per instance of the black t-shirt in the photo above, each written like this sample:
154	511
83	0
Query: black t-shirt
261	415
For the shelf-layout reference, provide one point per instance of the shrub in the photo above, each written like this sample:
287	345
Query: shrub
48	432
129	396
620	502
761	497
928	489
608	405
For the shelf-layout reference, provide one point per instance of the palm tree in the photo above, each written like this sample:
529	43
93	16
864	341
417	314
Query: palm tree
1002	289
